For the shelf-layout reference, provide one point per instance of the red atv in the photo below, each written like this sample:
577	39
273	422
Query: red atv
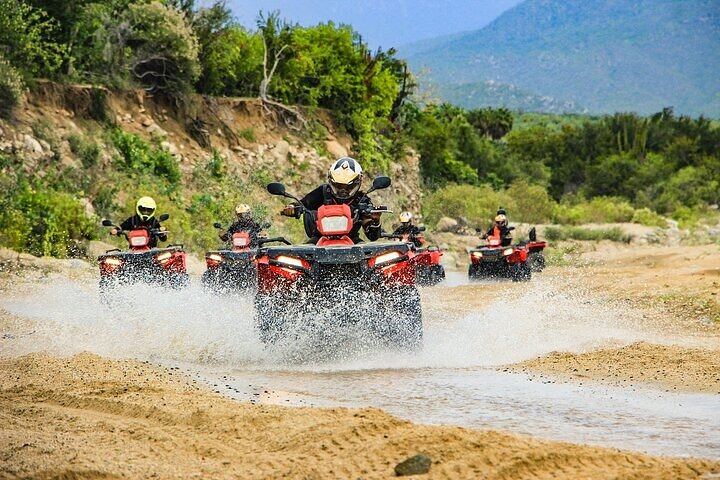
337	287
429	270
234	268
158	266
495	260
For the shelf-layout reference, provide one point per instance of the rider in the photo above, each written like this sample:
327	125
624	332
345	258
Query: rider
500	229
144	218
407	228
343	187
243	223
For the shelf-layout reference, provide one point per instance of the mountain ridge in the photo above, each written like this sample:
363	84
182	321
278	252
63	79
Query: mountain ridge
604	55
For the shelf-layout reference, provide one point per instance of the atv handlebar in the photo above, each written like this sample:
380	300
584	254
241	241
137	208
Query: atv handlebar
263	241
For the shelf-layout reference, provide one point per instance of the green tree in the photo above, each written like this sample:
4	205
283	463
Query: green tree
26	39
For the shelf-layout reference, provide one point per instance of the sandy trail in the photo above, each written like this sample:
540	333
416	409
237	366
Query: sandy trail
676	289
86	416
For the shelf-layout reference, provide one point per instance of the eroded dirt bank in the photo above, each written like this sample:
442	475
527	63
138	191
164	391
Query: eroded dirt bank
88	417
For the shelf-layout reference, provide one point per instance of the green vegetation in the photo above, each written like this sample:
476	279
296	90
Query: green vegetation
614	234
600	169
569	169
37	218
137	156
176	47
11	88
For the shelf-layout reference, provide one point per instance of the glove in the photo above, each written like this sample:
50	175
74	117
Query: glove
289	211
483	236
163	229
115	231
371	219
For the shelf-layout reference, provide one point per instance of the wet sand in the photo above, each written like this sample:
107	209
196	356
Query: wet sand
86	416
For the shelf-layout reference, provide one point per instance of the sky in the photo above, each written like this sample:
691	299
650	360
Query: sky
382	23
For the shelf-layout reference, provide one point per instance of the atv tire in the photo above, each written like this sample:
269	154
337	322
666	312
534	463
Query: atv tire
404	327
520	272
269	318
536	261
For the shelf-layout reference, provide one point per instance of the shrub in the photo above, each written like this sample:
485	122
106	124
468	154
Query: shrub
87	152
647	217
165	53
597	210
11	88
42	221
248	134
477	204
137	155
532	203
614	234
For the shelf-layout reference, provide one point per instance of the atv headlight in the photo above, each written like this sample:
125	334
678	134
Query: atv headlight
163	257
114	261
215	257
507	251
476	254
241	241
380	260
290	261
334	225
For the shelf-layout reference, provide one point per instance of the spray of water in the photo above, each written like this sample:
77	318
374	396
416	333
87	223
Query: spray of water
197	326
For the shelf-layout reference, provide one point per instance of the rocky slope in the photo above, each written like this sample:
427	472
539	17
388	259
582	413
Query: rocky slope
255	144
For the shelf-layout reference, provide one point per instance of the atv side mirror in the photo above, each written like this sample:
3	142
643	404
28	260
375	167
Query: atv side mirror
217	225
532	235
107	223
421	228
276	189
380	183
511	228
164	217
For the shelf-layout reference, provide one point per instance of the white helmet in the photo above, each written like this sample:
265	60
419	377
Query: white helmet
405	217
242	210
344	177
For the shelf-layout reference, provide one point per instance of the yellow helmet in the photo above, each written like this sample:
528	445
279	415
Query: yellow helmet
405	217
145	208
345	176
242	208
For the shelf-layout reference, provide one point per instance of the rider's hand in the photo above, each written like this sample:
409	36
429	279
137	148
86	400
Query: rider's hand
163	229
289	210
483	236
115	231
371	219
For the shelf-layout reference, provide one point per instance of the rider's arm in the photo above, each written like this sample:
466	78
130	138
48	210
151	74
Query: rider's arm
314	199
128	224
156	225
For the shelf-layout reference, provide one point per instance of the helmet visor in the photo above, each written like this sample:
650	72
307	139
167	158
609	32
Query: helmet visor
146	211
343	191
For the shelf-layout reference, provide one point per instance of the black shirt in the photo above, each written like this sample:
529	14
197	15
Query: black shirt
243	225
411	230
323	195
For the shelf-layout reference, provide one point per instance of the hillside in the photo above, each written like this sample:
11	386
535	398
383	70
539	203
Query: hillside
603	55
74	154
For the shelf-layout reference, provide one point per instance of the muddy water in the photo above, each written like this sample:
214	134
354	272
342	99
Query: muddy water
470	330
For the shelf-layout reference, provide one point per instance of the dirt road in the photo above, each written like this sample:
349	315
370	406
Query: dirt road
86	416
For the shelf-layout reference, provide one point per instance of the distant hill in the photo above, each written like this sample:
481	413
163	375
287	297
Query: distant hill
603	55
490	93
